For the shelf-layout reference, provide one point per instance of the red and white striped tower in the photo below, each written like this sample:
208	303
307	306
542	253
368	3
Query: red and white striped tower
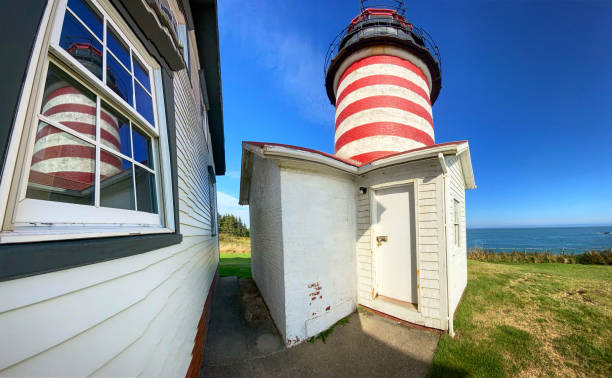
66	159
63	161
383	81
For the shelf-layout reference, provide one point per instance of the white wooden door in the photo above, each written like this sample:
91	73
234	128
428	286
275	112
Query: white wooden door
394	243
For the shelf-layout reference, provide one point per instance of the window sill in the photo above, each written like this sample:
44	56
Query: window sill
19	260
52	233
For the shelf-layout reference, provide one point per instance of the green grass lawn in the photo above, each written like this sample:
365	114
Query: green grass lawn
514	319
235	264
235	256
531	320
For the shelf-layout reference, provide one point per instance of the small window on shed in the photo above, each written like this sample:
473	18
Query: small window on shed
456	211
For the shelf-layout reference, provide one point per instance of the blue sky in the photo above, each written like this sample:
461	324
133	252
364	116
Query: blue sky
528	83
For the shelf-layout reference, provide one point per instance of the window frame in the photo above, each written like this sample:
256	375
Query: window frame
212	200
31	206
116	222
457	221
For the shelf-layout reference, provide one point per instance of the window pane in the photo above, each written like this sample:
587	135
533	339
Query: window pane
90	17
118	79
142	148
81	44
113	42
67	102
141	73
116	186
145	190
144	104
115	130
457	235
62	167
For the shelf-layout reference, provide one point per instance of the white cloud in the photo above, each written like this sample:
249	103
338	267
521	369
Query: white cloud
233	174
229	205
295	62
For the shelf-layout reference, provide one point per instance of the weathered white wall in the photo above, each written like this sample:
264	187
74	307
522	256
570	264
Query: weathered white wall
455	187
430	243
318	227
267	236
126	317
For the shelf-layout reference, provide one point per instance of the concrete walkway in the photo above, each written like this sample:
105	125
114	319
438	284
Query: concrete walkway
243	342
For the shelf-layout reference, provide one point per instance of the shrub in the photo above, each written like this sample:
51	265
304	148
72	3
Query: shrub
603	257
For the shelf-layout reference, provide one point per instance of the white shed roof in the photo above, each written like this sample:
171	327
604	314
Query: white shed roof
283	151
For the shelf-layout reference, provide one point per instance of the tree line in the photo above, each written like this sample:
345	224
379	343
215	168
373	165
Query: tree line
232	225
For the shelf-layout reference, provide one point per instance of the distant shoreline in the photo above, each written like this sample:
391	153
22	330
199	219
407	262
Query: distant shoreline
540	227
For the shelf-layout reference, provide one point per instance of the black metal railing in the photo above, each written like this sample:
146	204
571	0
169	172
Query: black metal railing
397	5
420	36
429	43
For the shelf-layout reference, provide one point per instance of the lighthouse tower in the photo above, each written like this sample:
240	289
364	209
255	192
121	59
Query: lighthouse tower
383	75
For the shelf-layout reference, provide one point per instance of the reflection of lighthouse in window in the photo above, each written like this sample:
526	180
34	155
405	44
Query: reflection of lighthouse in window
63	158
62	162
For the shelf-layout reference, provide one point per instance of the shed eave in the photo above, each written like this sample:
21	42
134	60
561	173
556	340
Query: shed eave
466	166
306	156
409	156
264	150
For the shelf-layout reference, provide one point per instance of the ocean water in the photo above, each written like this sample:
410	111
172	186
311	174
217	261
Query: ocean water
554	239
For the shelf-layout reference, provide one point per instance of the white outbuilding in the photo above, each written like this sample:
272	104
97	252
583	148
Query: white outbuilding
328	234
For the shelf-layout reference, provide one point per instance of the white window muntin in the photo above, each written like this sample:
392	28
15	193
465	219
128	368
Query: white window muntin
149	64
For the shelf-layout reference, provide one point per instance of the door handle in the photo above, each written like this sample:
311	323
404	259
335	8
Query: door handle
381	239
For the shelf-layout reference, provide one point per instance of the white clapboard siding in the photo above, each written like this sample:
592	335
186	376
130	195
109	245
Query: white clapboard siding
458	255
430	246
132	316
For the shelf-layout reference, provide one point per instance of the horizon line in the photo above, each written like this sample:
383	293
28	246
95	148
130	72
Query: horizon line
564	225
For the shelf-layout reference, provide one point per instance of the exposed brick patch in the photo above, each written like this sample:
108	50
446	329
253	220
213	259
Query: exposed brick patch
316	288
197	354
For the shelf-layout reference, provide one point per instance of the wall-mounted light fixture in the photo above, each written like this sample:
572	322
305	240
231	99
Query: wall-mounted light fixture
363	190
